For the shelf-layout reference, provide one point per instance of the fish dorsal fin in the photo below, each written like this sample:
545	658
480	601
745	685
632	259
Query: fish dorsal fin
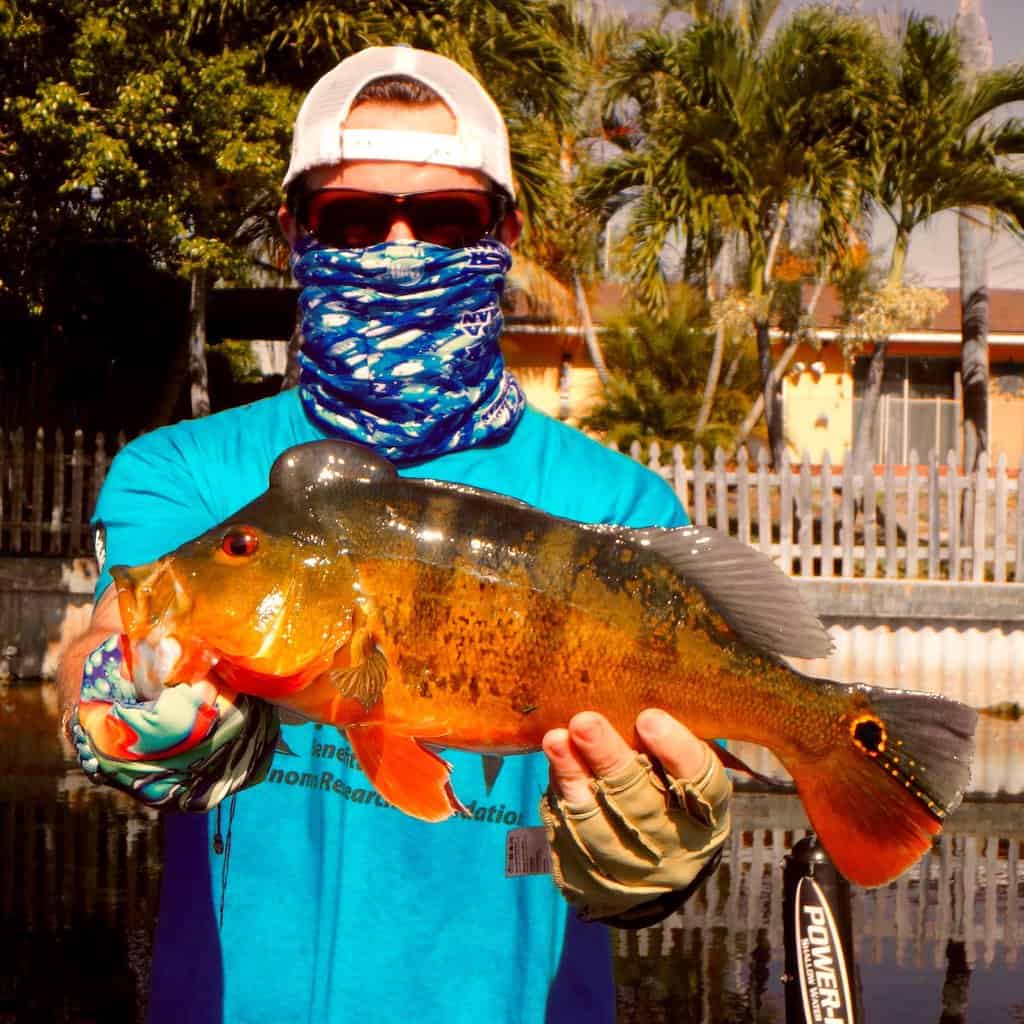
759	602
321	464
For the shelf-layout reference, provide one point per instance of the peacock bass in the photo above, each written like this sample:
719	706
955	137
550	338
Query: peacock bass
417	615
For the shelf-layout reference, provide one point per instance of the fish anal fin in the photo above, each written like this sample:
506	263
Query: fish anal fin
731	760
405	773
492	765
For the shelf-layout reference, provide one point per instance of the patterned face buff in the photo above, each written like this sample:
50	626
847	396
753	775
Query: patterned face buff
400	346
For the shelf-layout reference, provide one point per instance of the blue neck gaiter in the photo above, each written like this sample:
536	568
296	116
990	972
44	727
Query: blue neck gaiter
400	346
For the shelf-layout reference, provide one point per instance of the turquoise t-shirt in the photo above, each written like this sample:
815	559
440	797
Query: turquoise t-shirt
327	904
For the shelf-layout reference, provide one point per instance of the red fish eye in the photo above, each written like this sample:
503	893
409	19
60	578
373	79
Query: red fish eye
240	542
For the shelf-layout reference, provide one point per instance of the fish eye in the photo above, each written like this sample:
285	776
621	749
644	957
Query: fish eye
240	542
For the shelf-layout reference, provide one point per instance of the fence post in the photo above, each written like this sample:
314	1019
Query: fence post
786	515
4	504
721	492
827	569
654	457
934	524
978	520
870	524
35	545
700	498
892	566
805	518
764	502
1018	571
77	488
999	535
953	513
742	496
57	512
99	474
679	476
17	489
846	514
913	511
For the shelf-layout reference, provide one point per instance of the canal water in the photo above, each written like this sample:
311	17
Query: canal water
79	872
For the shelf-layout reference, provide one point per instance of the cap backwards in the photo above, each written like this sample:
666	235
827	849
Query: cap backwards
480	142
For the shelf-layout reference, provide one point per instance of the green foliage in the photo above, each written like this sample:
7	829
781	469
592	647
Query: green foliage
658	365
941	147
114	128
733	126
240	361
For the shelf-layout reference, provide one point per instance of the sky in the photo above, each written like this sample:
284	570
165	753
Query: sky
933	250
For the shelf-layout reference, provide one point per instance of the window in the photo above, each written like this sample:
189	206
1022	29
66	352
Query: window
919	409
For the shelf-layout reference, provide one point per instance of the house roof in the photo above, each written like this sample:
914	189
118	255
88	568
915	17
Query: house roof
1006	311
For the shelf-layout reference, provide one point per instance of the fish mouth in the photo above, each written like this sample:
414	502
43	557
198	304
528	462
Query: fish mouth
157	648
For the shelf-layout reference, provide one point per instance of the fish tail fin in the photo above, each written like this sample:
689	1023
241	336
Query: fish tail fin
405	773
878	800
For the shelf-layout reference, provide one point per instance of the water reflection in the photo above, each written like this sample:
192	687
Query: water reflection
79	871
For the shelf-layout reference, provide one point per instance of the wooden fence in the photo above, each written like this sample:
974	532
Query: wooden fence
916	521
48	490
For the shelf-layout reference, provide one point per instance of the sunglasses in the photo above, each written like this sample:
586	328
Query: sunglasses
349	218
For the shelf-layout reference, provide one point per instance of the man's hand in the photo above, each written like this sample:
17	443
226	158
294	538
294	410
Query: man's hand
626	832
190	747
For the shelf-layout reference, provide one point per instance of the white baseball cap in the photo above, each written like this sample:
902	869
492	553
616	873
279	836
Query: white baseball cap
480	142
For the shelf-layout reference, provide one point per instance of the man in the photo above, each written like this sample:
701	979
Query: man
307	897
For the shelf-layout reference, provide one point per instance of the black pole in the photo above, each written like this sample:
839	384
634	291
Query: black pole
820	979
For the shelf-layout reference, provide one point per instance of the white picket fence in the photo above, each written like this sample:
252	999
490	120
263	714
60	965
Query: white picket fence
916	521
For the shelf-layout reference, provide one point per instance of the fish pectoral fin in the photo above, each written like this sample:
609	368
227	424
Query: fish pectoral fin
364	681
405	773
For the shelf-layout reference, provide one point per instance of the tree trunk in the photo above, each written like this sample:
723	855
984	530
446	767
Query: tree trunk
862	445
724	276
589	334
771	392
974	314
198	377
876	366
975	244
780	367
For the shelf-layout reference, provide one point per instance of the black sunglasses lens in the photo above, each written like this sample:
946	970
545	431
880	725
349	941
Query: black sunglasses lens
350	219
451	220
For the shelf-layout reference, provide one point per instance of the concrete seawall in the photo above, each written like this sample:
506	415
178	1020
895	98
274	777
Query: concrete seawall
44	603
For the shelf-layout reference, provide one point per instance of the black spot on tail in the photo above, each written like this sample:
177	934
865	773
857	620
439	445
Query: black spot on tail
922	740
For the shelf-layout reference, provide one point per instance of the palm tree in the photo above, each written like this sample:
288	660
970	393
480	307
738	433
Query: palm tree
975	230
940	151
737	132
657	364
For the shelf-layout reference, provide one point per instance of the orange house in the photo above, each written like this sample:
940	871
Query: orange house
921	391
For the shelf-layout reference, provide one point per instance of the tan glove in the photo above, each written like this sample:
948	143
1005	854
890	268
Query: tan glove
647	835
